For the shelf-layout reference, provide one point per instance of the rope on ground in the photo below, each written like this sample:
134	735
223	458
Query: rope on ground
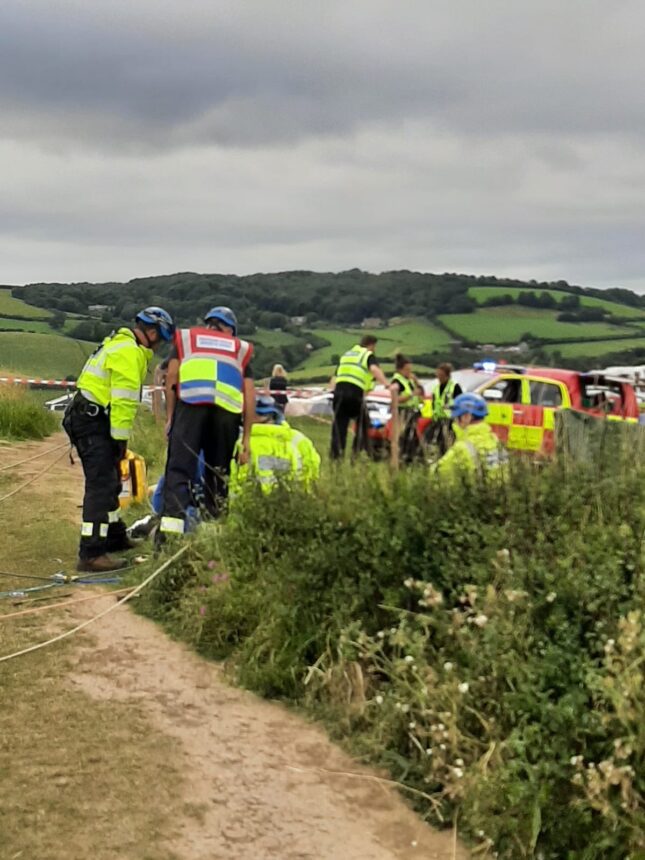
35	457
33	609
35	477
370	777
79	627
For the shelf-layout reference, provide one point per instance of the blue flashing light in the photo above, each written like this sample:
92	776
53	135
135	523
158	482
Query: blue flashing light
487	365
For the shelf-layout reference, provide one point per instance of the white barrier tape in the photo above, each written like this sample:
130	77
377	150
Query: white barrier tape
64	383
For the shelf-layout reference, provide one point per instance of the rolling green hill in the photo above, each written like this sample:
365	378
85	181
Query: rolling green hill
10	306
595	348
510	323
416	337
482	294
44	355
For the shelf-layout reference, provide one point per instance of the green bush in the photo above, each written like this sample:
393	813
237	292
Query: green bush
23	417
484	643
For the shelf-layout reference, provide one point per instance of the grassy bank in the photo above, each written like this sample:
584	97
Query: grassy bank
486	644
23	417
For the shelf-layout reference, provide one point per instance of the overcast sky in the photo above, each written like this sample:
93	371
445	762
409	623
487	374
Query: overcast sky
144	137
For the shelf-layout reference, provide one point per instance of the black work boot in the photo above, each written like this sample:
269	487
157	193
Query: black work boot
100	564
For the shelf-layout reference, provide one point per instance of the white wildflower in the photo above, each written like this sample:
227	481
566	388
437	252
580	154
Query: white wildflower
409	658
459	762
429	751
463	687
412	725
409	582
442	746
458	772
551	596
405	708
381	634
448	666
379	700
480	620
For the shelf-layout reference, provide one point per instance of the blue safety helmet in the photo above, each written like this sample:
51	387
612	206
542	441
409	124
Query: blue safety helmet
159	318
223	315
469	403
266	405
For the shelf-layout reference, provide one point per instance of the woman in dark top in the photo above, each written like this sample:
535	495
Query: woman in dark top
278	385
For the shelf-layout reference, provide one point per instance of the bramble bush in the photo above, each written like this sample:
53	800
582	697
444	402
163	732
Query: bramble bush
485	643
23	417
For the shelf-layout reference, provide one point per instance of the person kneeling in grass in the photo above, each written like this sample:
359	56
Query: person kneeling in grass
278	452
477	452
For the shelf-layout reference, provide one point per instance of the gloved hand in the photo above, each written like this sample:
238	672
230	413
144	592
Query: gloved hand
120	448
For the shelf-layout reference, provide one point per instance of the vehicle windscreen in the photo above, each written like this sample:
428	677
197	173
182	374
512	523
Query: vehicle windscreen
602	395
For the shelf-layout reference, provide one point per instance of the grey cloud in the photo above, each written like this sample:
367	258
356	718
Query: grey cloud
160	74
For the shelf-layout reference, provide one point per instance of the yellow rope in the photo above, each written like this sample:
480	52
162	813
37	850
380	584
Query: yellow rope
35	478
35	457
102	614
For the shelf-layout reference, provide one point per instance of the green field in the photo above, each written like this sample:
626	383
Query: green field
481	294
270	337
25	325
414	337
508	324
595	348
328	370
44	355
16	307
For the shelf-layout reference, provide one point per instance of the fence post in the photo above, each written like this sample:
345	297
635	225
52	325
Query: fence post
395	433
157	395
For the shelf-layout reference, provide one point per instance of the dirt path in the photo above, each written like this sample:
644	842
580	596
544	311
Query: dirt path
254	778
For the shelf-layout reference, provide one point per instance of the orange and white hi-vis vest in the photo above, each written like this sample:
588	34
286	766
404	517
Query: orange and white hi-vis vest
211	368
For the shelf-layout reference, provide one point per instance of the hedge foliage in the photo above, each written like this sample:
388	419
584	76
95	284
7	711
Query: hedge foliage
484	643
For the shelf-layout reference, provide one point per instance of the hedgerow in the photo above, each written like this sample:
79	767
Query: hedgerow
485	643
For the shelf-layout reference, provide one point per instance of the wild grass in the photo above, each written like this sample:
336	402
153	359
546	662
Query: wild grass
23	417
485	642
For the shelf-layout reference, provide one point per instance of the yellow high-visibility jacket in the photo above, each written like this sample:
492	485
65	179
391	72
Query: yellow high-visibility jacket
476	453
113	376
277	452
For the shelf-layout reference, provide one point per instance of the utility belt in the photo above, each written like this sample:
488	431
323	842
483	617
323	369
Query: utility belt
80	405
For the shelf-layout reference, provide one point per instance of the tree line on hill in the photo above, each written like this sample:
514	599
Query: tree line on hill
297	301
271	300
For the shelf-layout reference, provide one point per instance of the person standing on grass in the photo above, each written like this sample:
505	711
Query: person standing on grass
98	422
355	376
443	396
209	393
278	386
410	392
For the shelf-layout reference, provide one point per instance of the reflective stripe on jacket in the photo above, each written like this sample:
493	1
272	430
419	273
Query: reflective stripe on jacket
475	453
412	400
211	368
277	451
442	400
113	376
353	368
